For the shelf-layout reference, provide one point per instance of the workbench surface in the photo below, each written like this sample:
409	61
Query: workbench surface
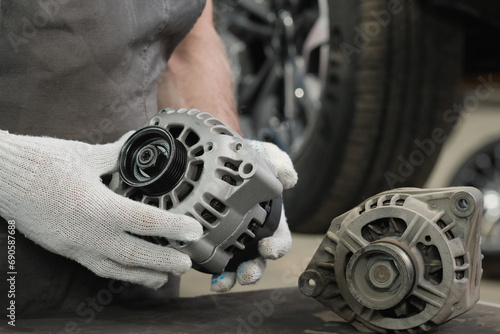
265	311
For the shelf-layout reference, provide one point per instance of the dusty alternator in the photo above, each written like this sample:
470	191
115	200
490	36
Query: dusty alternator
189	162
405	260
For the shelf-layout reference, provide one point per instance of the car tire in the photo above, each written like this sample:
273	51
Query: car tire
387	77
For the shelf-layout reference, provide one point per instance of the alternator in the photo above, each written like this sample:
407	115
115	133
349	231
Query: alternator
189	162
405	260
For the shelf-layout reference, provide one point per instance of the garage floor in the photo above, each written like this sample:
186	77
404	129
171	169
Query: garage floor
479	127
278	311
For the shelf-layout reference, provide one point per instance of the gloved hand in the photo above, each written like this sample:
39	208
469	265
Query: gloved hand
53	191
273	247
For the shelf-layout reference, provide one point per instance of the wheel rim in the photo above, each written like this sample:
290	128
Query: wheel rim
279	52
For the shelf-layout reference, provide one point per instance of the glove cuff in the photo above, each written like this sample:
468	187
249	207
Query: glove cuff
17	171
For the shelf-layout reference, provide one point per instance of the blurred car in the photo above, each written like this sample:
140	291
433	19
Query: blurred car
482	170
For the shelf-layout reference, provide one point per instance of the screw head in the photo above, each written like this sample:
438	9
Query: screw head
146	155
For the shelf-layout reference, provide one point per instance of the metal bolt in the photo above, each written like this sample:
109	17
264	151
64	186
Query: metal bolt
149	160
383	274
146	156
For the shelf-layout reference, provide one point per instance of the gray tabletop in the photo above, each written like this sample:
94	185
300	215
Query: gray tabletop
265	311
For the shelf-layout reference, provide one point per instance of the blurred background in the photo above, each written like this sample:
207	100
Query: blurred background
347	88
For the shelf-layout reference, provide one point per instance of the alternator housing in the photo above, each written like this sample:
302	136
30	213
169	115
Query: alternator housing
221	182
405	260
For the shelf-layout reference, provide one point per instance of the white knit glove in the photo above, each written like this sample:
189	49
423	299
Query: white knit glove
273	247
53	191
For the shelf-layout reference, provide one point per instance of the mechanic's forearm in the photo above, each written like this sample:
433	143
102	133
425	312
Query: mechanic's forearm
199	76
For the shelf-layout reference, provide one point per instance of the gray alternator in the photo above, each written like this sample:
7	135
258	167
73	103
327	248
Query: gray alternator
405	260
189	162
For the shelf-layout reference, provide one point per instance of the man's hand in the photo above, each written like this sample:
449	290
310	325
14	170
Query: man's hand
273	247
198	74
52	189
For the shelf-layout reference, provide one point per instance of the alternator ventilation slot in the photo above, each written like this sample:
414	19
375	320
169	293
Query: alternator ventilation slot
384	228
386	200
191	139
175	130
433	265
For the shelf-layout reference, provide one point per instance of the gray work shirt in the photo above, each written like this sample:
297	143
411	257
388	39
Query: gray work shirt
83	70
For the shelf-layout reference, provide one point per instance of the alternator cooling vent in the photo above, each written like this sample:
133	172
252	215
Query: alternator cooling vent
384	200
